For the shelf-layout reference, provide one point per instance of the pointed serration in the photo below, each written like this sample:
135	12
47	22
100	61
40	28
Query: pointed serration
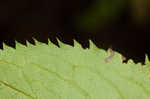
147	62
7	48
92	45
95	49
77	45
29	45
35	41
49	42
19	45
147	65
91	78
63	45
59	43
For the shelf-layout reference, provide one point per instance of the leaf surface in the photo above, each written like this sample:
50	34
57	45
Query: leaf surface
47	72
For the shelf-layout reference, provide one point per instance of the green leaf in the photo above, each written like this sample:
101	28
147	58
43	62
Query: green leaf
47	72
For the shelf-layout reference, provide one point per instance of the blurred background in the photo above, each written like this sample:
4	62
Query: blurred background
123	25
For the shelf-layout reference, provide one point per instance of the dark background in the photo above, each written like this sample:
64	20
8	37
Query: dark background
122	25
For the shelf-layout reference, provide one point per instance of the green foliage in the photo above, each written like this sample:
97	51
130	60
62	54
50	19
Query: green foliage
47	72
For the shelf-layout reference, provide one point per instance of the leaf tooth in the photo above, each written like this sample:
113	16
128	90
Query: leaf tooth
31	45
51	45
76	44
49	42
35	41
19	45
147	62
92	45
6	47
61	44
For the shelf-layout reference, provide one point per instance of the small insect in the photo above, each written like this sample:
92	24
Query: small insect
112	53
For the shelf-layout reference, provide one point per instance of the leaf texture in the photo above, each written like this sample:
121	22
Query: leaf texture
44	71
